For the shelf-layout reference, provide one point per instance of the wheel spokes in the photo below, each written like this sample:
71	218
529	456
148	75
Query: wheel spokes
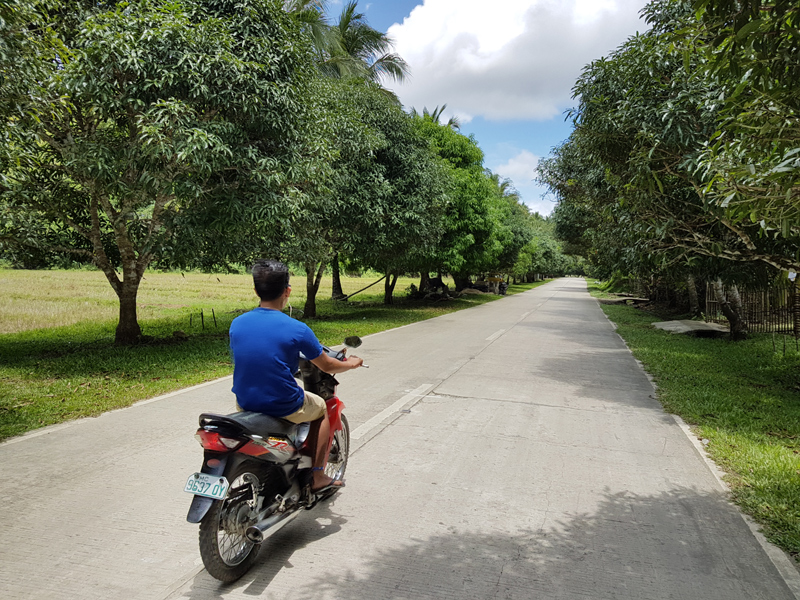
232	542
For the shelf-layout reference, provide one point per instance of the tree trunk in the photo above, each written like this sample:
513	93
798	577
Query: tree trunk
128	331
736	300
461	282
424	281
694	302
388	288
337	293
313	279
738	330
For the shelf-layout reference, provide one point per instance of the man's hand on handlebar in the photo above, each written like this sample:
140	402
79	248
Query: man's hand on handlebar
340	364
355	361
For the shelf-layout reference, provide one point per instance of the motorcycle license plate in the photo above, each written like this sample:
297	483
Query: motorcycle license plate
210	486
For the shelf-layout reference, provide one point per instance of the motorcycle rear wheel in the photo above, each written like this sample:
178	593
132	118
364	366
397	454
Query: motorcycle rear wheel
226	552
340	450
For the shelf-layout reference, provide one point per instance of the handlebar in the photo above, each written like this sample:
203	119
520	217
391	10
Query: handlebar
335	354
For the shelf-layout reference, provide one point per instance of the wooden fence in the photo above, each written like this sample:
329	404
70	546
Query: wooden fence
772	308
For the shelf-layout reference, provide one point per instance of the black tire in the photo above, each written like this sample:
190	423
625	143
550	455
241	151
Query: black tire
224	525
340	451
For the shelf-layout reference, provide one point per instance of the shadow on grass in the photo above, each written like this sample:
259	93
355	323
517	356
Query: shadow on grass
51	375
678	544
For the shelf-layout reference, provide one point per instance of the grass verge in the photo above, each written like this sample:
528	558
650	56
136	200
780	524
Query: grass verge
72	370
744	399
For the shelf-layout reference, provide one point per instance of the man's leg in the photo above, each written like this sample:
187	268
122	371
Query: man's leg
318	438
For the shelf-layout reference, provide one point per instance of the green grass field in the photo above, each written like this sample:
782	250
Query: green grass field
744	398
57	355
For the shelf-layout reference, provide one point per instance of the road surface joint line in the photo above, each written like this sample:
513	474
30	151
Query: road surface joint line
498	334
604	410
778	557
372	422
175	590
368	426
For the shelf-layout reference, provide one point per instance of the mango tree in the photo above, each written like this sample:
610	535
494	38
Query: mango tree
159	126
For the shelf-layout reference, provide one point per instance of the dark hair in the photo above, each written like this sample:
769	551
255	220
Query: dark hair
271	278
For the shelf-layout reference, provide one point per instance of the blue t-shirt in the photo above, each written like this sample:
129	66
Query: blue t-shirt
266	344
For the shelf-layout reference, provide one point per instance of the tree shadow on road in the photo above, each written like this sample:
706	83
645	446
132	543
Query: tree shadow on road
678	544
275	555
681	544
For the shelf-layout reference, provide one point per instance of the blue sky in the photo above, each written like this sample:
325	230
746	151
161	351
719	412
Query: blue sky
504	68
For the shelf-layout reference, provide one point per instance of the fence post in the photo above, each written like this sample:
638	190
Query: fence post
796	308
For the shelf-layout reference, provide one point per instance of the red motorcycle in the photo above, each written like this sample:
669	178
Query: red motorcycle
256	475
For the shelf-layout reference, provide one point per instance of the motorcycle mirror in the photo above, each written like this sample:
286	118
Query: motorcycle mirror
352	342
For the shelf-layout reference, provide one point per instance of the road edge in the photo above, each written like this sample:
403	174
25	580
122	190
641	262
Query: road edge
779	559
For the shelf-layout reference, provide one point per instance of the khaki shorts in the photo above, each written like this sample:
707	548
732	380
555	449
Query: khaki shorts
313	408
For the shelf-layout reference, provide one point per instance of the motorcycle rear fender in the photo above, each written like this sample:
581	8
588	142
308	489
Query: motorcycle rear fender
201	504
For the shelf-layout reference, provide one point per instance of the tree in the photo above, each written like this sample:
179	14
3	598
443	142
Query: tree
646	114
469	241
163	128
353	49
355	191
436	115
361	51
520	228
350	49
657	128
407	207
750	53
642	123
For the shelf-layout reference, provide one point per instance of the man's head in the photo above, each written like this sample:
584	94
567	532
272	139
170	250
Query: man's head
271	279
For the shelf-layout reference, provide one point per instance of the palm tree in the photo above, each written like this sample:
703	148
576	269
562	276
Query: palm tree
436	115
311	14
349	48
363	51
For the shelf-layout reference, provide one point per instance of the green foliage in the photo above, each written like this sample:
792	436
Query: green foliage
350	47
178	130
200	134
752	162
468	223
409	207
486	227
634	180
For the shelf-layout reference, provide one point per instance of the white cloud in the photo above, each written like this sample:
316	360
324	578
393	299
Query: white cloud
521	170
508	59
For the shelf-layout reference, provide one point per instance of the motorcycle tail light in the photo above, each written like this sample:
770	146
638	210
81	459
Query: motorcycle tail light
213	441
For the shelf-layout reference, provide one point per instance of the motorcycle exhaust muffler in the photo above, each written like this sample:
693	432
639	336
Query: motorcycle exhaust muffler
263	529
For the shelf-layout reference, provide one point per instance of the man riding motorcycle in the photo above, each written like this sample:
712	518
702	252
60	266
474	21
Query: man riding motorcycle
266	346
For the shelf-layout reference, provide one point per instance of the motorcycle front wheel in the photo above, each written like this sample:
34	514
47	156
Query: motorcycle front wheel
340	450
226	552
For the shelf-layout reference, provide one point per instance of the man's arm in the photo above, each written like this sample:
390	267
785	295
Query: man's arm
333	366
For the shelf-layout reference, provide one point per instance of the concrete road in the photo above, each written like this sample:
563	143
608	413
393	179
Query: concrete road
514	450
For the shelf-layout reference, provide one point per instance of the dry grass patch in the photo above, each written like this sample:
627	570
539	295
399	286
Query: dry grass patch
59	361
45	299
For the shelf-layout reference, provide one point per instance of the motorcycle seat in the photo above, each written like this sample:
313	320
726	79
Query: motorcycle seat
253	423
